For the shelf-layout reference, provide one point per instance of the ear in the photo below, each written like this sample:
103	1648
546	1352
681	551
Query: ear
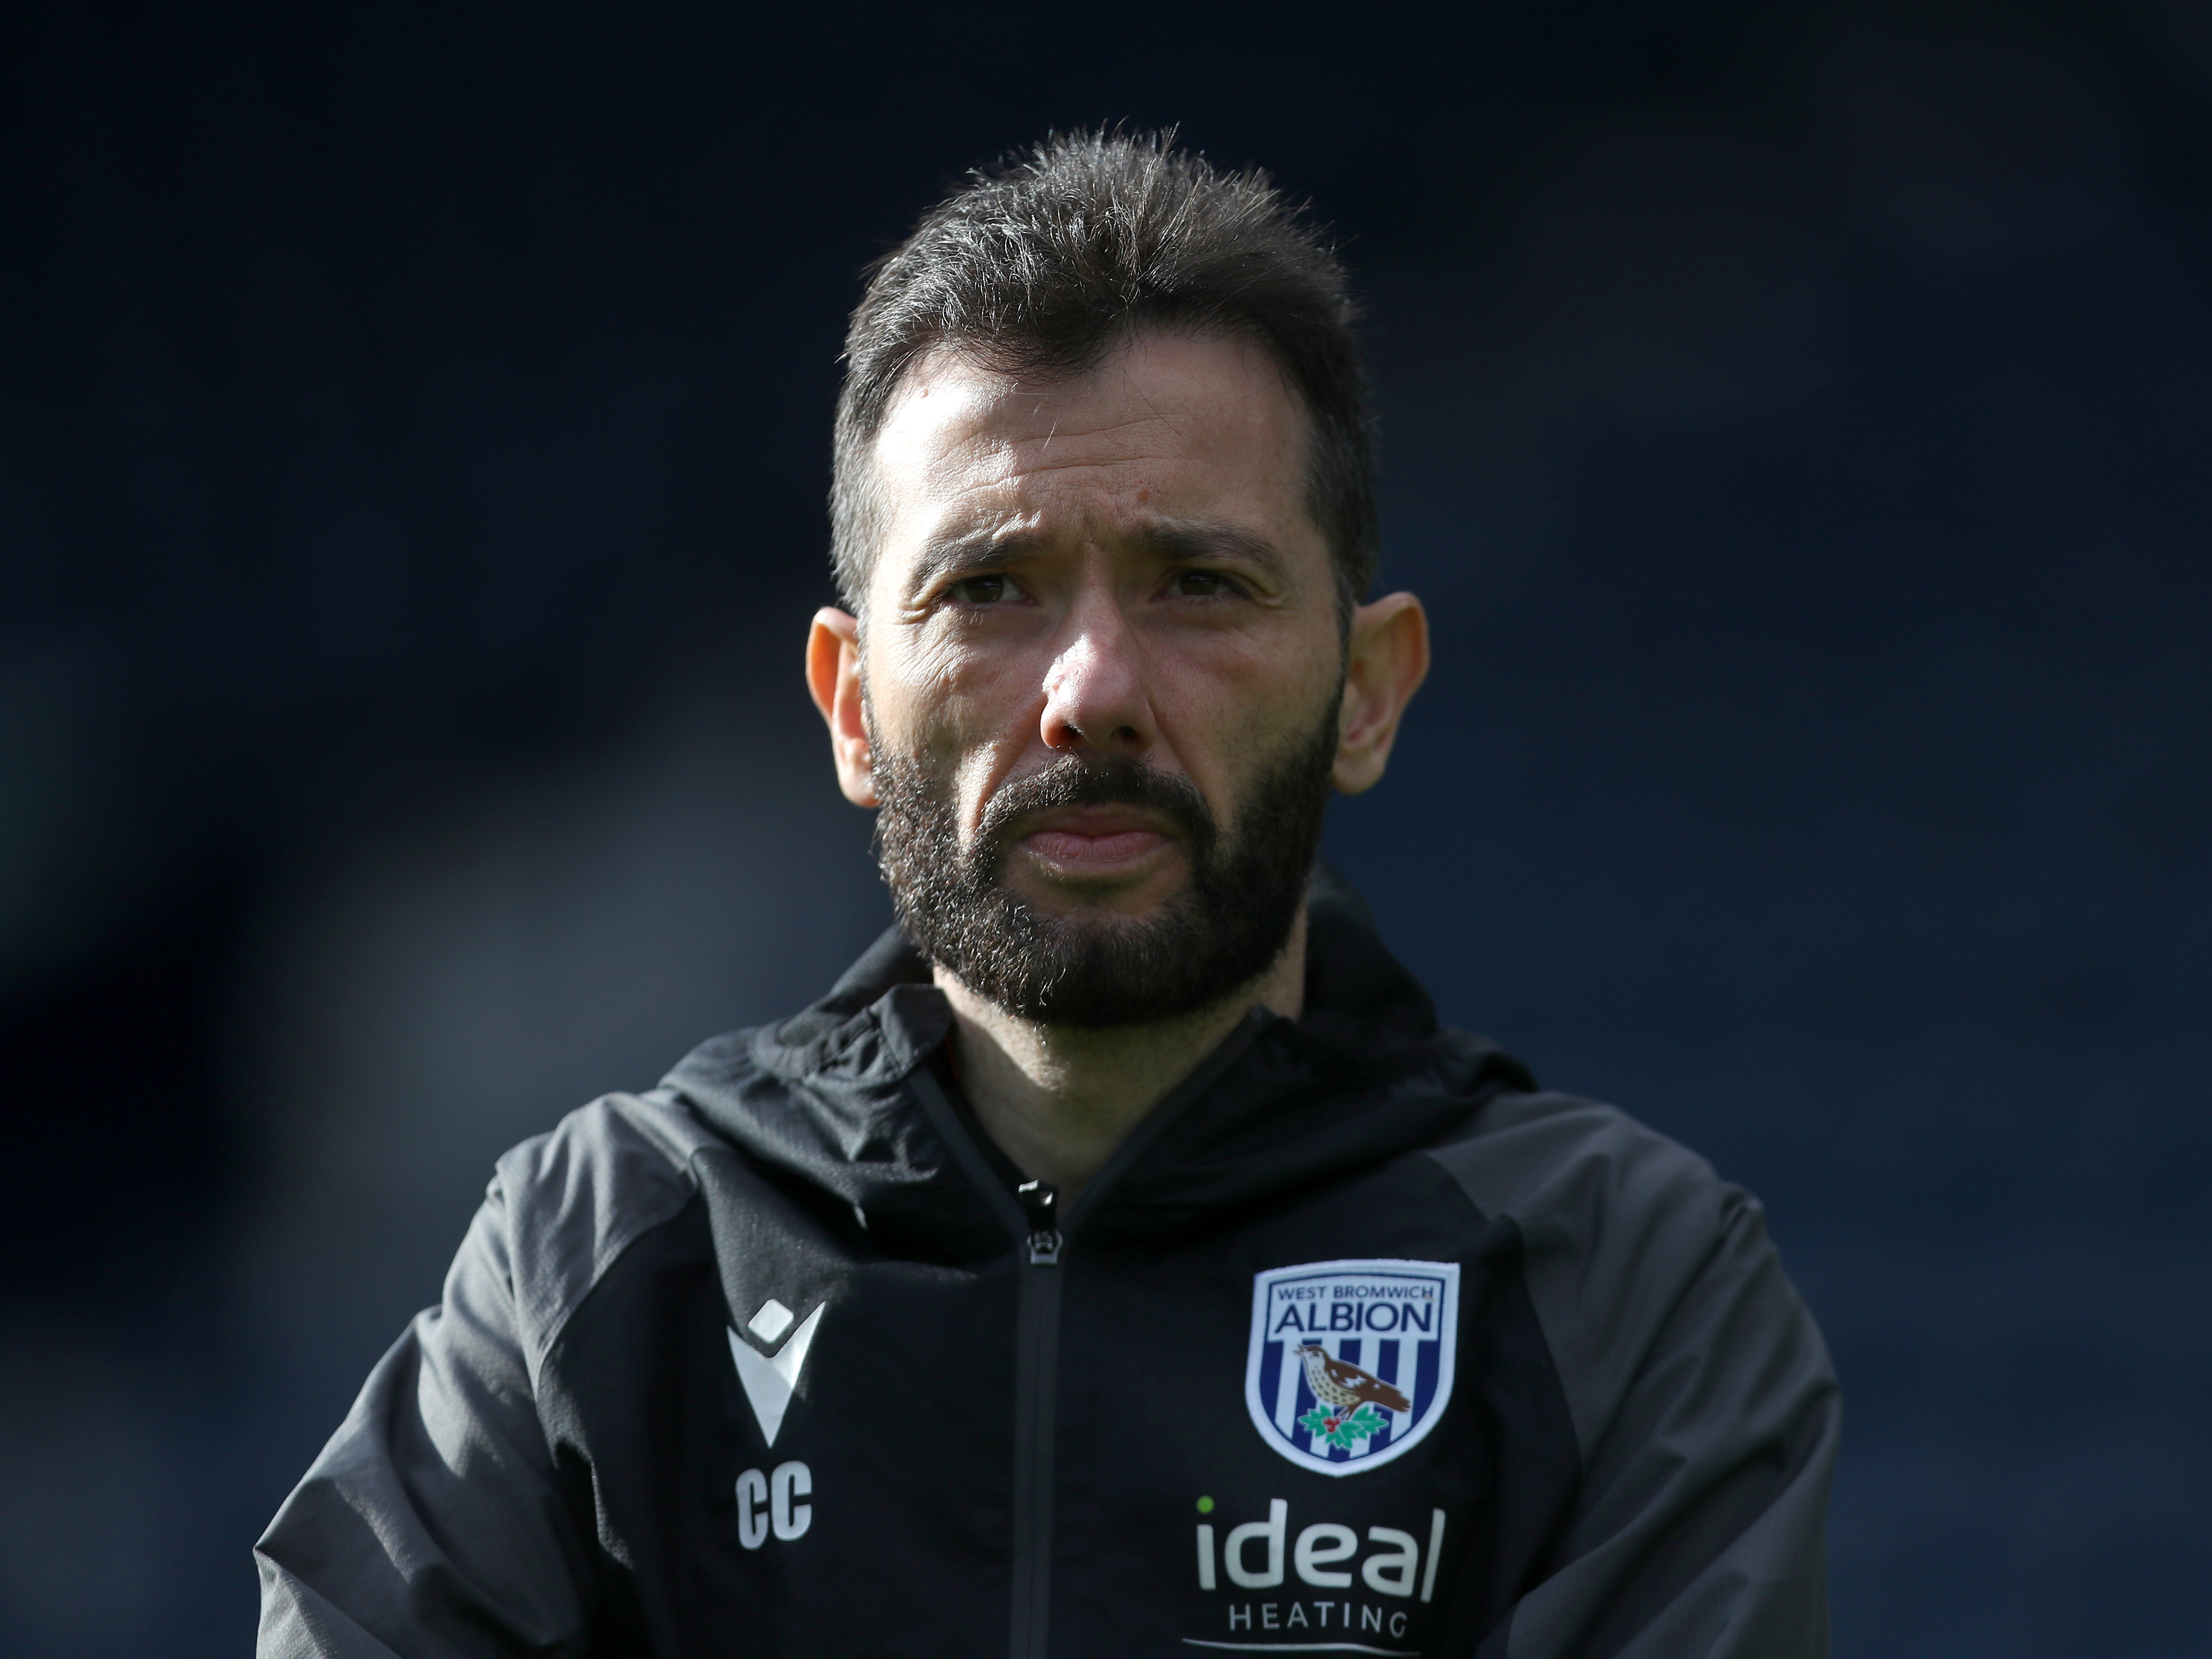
833	678
1386	660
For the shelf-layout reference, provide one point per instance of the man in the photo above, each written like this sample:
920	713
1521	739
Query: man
1120	1259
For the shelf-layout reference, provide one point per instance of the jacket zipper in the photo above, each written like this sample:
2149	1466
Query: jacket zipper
1037	1326
1036	1385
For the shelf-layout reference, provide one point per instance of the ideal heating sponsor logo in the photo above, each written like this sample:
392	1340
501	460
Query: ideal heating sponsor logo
1345	1593
1350	1362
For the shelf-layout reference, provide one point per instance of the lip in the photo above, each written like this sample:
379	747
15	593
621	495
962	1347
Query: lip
1095	840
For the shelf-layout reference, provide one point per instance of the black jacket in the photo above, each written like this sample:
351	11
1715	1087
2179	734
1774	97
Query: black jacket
1359	1343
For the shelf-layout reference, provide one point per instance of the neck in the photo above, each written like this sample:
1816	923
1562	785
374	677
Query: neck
1059	1099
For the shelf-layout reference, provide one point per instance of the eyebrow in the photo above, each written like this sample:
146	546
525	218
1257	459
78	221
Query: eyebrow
1178	540
973	555
1174	540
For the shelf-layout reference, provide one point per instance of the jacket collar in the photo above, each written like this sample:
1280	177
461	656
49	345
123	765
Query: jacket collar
830	1096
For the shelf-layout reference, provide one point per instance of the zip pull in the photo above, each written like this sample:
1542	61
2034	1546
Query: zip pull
1040	1201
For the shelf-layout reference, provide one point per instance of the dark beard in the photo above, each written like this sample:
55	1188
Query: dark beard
1220	932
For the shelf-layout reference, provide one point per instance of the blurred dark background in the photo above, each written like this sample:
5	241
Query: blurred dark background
413	433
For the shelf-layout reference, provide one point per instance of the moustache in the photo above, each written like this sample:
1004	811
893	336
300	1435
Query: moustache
1095	780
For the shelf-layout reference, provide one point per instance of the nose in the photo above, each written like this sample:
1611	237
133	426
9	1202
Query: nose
1095	695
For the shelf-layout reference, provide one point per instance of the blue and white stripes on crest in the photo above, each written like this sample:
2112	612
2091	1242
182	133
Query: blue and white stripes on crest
1376	1337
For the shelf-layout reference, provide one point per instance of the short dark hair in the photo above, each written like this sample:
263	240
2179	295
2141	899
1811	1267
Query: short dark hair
1046	261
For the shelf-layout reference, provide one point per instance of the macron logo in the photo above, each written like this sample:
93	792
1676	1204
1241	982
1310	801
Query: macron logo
769	1382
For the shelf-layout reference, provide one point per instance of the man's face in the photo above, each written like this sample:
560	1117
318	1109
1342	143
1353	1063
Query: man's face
1103	663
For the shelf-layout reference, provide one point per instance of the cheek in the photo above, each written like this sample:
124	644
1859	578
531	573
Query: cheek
968	705
1241	692
1239	714
942	693
964	716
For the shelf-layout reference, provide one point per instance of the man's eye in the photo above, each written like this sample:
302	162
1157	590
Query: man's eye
1200	584
984	590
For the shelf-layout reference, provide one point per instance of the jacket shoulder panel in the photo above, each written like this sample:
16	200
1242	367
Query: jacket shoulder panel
576	1198
1700	1390
1616	1220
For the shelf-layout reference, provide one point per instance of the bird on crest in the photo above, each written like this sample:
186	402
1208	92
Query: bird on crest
1341	1384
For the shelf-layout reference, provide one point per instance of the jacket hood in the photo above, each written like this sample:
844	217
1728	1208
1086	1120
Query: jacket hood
841	1100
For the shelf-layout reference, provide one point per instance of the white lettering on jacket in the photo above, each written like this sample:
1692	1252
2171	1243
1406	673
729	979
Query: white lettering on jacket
769	1503
1253	1555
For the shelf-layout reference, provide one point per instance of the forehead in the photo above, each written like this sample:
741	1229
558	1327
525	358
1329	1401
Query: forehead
1169	427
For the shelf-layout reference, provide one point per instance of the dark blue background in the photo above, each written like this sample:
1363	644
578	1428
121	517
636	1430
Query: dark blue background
412	440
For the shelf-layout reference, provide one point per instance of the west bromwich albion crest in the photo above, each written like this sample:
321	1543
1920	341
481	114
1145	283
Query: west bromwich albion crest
1351	1361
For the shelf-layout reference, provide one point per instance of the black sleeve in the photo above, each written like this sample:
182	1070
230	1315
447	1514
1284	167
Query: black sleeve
1703	1400
433	1523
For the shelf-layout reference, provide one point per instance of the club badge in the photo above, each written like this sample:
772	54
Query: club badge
1351	1361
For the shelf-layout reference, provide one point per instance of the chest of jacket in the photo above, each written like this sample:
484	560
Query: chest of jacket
1333	1425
